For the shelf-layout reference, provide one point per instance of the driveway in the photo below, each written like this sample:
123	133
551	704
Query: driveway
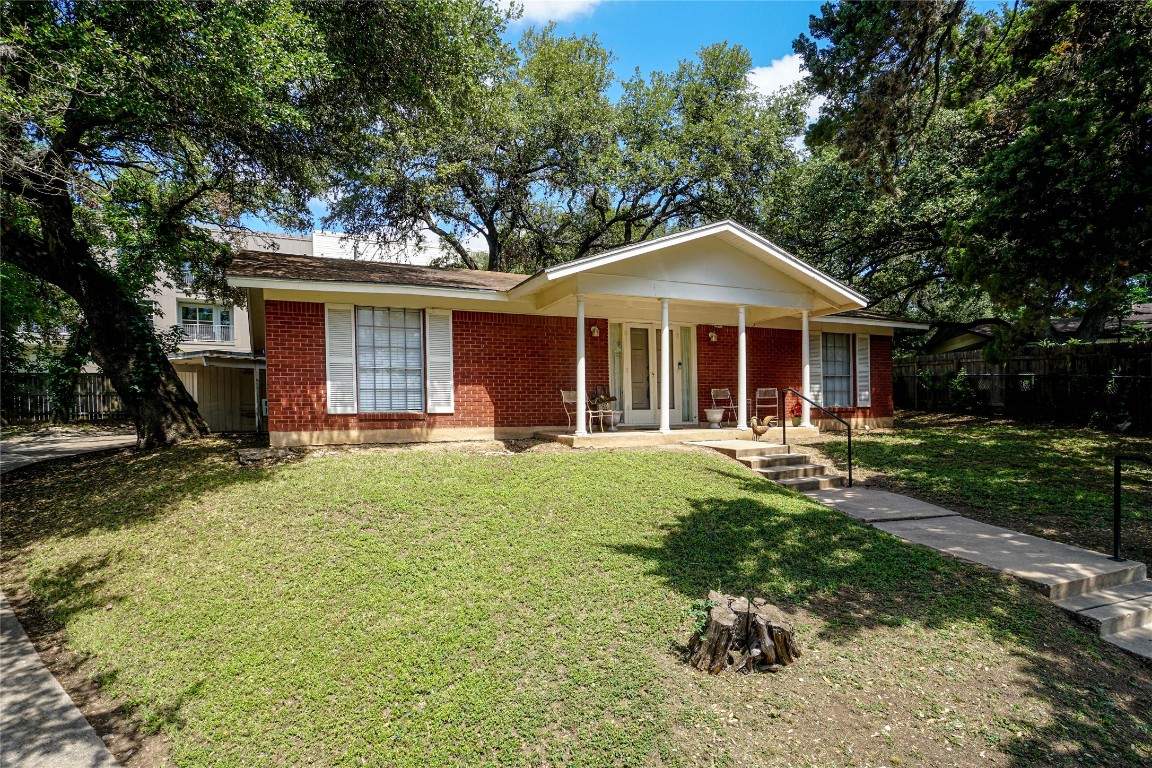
55	443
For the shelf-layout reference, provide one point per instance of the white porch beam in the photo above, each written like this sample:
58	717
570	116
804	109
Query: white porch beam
665	365
806	377
742	373
581	381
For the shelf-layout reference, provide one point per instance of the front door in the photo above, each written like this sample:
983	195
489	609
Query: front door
641	374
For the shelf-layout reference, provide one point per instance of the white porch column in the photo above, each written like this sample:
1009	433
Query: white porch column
665	365
581	383
806	378
742	374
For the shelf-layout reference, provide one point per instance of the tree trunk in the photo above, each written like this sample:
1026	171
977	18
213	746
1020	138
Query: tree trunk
123	343
746	635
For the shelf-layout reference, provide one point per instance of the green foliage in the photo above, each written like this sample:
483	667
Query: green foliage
1054	100
127	129
698	611
545	167
963	394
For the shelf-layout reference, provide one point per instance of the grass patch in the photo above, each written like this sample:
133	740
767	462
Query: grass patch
443	608
1053	482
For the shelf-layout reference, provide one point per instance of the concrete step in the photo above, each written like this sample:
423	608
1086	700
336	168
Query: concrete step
1136	641
793	471
1109	596
774	460
1117	617
740	449
819	482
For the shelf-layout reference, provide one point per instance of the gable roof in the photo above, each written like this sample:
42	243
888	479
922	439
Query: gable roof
729	232
266	265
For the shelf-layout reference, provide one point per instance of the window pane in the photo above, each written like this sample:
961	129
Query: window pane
225	317
389	359
837	361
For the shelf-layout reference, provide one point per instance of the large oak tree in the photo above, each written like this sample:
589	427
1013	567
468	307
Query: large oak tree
1056	98
553	167
125	127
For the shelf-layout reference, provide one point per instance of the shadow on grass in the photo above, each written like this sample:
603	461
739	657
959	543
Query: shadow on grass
1050	482
114	490
855	578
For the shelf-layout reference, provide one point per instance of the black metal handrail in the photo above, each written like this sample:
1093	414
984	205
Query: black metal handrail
1120	457
784	425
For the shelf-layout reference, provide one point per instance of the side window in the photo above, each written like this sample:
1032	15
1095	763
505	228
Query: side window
837	365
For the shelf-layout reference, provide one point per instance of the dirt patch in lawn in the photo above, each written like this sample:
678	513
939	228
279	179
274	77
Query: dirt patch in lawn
869	695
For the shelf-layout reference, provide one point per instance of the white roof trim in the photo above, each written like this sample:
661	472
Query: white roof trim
868	321
629	251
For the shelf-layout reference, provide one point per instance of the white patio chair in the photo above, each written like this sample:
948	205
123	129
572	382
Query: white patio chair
768	399
568	396
722	398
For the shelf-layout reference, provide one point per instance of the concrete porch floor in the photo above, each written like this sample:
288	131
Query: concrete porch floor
642	438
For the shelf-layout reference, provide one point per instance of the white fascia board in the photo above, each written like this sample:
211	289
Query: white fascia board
870	321
639	287
854	299
353	287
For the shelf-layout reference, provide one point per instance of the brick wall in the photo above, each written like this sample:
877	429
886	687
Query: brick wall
774	360
508	371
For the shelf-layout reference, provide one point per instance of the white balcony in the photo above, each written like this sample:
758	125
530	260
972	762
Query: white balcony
207	332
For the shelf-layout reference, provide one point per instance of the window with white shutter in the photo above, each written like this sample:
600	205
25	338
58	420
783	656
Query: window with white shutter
863	370
439	346
816	367
837	364
340	357
389	360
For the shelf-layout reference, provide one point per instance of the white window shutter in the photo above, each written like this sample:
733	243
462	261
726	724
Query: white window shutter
438	339
863	370
816	366
340	357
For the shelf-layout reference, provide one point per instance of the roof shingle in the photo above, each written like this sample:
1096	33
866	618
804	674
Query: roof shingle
287	266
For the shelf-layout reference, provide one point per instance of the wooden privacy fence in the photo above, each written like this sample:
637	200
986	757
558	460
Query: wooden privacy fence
25	398
1100	384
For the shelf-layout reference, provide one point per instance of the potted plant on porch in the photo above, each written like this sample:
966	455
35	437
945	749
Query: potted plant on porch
797	413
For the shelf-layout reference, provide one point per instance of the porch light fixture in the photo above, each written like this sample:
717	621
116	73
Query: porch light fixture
712	336
595	331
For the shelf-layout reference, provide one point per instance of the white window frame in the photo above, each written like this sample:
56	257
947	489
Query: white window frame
423	369
847	376
217	335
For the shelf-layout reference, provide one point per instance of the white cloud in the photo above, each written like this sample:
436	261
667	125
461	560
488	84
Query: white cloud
543	11
782	73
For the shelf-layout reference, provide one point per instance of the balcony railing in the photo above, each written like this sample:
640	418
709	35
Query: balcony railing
196	331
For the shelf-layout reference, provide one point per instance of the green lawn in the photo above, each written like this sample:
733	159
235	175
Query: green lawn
415	608
1048	481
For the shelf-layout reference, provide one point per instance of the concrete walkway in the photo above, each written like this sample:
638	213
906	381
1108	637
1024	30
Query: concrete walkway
1114	598
41	727
56	443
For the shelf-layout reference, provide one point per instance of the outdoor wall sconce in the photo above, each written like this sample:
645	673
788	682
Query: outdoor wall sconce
595	331
712	336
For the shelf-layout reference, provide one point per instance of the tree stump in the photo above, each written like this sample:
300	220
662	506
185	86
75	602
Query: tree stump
748	636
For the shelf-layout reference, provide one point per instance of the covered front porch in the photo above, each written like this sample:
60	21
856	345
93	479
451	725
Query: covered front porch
715	308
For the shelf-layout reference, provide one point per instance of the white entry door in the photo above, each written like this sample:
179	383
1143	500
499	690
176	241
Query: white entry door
641	364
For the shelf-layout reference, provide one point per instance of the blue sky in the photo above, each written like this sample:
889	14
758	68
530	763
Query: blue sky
656	35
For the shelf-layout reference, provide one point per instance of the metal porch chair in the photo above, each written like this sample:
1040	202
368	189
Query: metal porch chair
722	398
568	396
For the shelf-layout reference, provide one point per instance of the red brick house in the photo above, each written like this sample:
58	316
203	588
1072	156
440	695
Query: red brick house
374	352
